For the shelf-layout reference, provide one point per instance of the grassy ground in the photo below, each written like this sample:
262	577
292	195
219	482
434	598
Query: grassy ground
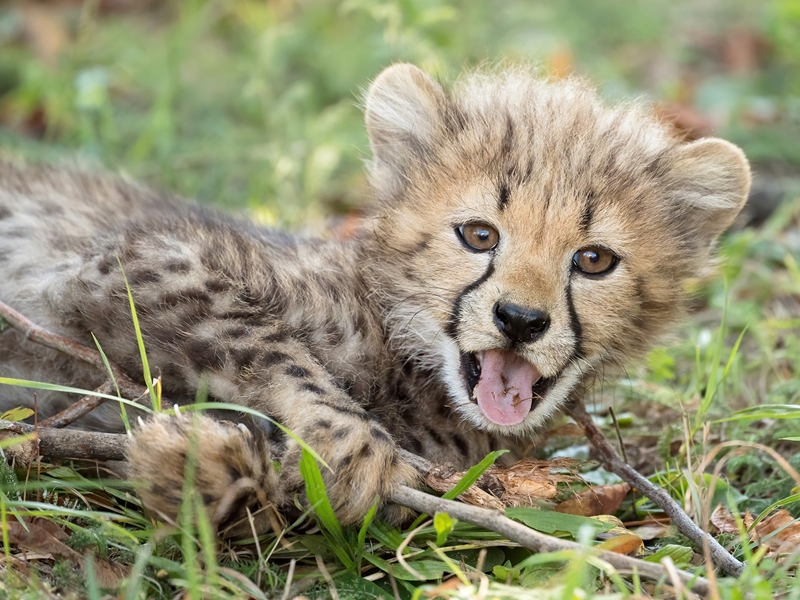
253	106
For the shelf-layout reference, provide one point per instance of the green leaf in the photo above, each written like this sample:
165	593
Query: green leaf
351	586
318	498
443	524
428	569
549	521
385	534
17	414
680	555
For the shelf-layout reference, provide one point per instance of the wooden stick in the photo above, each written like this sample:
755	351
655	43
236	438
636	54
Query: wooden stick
612	462
530	538
77	410
70	443
90	356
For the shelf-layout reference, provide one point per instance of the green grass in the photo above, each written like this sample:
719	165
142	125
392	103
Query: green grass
252	106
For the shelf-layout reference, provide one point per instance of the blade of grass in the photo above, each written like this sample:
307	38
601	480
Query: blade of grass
362	536
318	498
110	372
52	387
148	378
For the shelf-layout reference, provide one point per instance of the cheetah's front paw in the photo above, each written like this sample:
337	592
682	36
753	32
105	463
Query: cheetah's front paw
232	469
364	466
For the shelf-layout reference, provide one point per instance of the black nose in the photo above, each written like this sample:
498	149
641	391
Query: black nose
519	324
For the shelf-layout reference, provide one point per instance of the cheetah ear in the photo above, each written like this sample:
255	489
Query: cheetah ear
711	183
403	107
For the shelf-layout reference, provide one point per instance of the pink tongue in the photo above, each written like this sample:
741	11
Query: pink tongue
504	390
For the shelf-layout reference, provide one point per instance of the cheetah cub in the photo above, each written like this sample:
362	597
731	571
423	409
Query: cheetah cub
524	239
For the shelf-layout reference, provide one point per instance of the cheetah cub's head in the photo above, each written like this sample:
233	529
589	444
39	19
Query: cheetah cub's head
528	238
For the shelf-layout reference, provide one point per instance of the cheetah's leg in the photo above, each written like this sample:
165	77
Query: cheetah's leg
298	392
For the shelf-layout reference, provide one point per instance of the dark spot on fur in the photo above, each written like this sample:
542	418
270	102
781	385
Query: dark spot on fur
197	295
237	331
314	389
461	444
503	196
346	460
435	436
143	277
244	357
322	424
234	473
273	357
297	371
365	452
346	410
346	385
204	354
178	266
275	336
4	213
248	317
416	445
105	265
424	242
379	435
341	433
508	136
587	213
218	285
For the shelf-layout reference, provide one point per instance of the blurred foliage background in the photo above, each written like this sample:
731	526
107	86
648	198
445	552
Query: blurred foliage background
253	104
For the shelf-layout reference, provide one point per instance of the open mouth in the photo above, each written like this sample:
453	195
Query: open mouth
505	386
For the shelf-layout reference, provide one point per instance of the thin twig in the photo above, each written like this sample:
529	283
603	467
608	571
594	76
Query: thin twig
662	499
529	538
79	409
90	356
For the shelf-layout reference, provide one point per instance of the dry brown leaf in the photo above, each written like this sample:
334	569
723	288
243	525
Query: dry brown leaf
779	532
651	531
43	537
600	500
725	522
625	543
517	485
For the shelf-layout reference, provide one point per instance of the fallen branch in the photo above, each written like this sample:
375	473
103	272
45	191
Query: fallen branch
532	539
612	462
64	443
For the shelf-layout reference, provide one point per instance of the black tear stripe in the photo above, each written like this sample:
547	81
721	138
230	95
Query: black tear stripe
452	324
574	324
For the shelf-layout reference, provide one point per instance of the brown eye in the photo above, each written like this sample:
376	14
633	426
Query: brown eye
594	260
479	236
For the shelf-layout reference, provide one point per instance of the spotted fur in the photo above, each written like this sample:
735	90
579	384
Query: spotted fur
359	347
